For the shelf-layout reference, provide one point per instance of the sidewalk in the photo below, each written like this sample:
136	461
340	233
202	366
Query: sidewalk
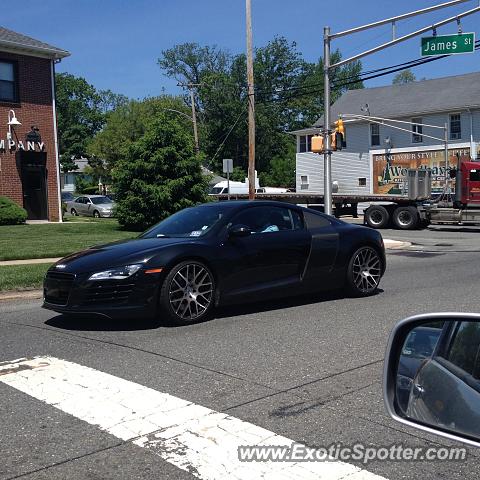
29	261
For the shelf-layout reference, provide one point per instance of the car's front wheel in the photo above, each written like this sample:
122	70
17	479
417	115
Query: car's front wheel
187	294
96	214
364	272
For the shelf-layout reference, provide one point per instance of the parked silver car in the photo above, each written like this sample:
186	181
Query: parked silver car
92	206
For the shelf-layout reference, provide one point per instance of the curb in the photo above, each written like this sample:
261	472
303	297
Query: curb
395	244
23	294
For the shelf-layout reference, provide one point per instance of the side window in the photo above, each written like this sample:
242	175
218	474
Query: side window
464	350
296	220
265	219
314	220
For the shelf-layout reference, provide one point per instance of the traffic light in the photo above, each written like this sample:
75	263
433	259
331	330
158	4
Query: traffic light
336	141
336	137
339	126
317	144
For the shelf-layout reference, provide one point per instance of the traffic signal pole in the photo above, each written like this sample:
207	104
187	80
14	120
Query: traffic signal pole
328	37
327	155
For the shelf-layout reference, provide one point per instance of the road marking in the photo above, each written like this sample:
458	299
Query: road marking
196	439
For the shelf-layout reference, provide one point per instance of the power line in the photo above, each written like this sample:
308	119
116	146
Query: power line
368	75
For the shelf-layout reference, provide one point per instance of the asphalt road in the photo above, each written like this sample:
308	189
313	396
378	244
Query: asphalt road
306	368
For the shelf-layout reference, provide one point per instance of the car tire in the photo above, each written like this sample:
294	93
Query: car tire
74	212
377	216
96	214
187	294
364	272
405	218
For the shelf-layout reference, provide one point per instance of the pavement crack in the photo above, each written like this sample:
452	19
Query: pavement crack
68	460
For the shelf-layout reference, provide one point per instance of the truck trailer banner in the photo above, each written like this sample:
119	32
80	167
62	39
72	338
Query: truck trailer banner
390	169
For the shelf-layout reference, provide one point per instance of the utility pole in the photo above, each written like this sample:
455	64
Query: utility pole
251	105
191	87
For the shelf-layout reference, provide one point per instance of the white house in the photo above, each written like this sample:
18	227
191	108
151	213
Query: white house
376	157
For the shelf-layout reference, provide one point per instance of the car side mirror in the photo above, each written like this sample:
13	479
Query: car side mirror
239	231
431	377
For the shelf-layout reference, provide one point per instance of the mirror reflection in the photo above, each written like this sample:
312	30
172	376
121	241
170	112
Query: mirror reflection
438	376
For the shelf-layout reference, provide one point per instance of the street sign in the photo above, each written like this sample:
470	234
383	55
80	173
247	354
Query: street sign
227	165
448	44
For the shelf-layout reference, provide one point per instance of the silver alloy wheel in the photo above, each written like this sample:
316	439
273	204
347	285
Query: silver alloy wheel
367	269
96	214
191	291
404	218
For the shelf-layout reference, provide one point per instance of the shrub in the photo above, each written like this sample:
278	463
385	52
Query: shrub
159	175
11	213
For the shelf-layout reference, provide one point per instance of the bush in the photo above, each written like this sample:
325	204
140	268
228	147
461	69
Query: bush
159	176
93	190
11	213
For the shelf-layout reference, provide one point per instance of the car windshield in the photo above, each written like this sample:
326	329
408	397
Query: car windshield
100	200
191	222
216	190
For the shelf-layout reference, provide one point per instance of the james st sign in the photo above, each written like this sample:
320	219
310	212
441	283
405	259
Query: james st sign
448	44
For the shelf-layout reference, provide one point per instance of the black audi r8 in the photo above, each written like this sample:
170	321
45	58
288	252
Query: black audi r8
217	253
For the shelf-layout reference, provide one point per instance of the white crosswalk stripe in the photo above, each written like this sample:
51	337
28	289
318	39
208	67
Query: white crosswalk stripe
194	438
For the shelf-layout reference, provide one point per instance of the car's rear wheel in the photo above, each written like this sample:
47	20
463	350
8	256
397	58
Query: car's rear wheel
364	272
74	212
187	294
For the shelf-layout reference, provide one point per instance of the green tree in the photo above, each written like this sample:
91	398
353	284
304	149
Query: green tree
81	112
289	96
404	77
158	175
128	123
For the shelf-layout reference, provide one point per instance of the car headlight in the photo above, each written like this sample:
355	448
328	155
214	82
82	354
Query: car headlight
118	273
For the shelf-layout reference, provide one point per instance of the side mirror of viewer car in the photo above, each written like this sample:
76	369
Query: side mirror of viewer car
431	378
239	231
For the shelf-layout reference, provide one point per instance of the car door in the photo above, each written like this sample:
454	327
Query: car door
275	253
324	249
88	206
453	372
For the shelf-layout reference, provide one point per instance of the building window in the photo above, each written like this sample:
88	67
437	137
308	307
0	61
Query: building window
417	131
303	143
374	134
8	83
362	182
303	182
455	127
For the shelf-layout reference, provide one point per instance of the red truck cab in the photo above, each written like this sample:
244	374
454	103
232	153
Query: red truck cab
470	183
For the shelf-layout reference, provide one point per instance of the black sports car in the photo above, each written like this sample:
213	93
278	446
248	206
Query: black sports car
217	253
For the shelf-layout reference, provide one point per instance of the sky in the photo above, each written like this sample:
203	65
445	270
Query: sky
115	44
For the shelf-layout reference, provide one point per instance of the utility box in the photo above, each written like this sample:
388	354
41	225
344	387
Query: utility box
419	183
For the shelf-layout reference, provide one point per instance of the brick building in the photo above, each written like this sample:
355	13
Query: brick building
29	167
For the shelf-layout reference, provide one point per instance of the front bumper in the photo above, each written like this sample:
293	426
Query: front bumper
69	293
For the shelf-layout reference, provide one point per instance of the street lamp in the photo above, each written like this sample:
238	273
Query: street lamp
12	122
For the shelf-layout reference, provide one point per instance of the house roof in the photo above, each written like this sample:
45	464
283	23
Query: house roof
11	41
444	94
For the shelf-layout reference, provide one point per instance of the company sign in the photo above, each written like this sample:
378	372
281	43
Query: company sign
390	170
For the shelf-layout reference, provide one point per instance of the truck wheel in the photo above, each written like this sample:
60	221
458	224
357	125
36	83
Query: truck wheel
405	218
377	216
